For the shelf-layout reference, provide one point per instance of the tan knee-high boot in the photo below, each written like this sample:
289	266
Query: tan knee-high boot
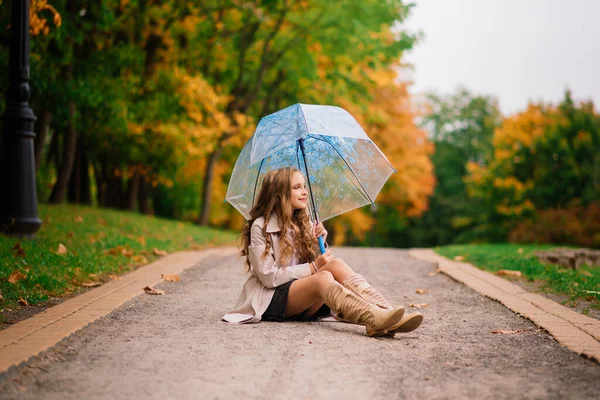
357	284
356	310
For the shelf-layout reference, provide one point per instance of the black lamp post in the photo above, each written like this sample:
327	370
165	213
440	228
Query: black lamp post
18	197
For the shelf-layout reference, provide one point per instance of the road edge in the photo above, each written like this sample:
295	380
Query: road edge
33	337
574	331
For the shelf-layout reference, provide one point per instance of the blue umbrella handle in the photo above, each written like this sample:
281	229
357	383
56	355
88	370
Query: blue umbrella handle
322	244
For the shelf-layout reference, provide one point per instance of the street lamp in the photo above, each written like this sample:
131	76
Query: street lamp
18	197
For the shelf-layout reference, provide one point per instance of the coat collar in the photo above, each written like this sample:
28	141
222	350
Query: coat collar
273	225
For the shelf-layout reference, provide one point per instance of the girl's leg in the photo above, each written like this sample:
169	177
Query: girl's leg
311	292
308	293
339	269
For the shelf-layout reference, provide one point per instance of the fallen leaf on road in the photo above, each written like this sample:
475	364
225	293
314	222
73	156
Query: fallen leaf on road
159	253
16	276
114	277
459	258
421	291
171	278
432	273
91	284
62	250
24	302
507	332
419	305
79	218
151	290
509	272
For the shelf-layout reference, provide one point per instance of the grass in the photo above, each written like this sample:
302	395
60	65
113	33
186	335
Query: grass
579	284
99	243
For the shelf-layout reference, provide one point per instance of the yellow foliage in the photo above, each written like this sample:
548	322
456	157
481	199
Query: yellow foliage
37	21
354	223
520	131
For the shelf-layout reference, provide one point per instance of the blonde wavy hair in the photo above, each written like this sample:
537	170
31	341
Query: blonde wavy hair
275	197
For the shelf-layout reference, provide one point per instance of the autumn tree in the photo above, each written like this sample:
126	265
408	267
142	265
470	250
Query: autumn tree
544	157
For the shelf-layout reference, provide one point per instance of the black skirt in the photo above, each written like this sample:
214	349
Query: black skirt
276	310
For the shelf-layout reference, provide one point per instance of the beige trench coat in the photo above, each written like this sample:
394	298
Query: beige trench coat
265	274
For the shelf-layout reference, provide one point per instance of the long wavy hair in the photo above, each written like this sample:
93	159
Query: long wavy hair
274	197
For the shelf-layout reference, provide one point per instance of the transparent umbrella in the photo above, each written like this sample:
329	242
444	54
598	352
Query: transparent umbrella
343	167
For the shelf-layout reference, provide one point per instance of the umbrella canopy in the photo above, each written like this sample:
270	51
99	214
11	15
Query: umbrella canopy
346	170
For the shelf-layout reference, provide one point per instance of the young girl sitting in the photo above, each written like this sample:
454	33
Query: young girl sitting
289	282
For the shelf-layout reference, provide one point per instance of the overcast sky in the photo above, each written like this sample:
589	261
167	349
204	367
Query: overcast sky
516	50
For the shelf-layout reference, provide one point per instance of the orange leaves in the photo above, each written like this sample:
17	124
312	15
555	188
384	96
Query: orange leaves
509	272
160	253
419	305
16	276
171	278
120	250
510	332
18	250
389	122
521	130
61	250
37	17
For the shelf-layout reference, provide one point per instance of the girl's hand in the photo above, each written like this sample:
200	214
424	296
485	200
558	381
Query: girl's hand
321	231
324	259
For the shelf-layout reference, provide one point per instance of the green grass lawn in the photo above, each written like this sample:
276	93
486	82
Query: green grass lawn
580	284
99	243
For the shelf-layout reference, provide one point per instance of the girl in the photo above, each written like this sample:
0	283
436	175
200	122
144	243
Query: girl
289	282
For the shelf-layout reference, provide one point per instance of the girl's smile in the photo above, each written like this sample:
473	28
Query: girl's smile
299	197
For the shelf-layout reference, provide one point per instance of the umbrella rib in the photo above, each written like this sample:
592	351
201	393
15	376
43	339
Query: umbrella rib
348	165
256	182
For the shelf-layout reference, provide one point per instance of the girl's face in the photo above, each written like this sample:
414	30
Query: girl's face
299	194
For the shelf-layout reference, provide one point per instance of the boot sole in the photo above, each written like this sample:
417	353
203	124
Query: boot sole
391	321
408	326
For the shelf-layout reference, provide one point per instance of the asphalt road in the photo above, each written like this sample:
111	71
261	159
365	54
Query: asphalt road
174	346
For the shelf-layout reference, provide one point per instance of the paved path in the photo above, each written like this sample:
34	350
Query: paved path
174	346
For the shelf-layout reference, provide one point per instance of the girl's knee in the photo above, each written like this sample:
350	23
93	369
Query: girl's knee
324	279
339	265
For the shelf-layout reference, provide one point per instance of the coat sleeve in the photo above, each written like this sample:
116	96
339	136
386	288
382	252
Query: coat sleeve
266	268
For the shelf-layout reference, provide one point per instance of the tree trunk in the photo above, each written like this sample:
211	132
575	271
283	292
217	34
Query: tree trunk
114	193
133	190
209	175
40	136
99	178
79	184
144	196
68	158
74	192
86	190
